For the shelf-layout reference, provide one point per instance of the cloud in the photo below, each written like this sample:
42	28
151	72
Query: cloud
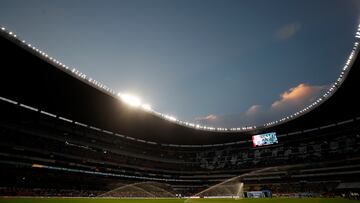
297	96
287	31
289	101
210	117
253	110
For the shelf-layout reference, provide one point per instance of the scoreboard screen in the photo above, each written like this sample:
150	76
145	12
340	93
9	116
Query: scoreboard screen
264	139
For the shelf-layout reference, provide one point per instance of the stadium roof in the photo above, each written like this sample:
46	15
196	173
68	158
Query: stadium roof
32	78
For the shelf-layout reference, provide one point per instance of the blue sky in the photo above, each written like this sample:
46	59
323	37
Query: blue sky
225	63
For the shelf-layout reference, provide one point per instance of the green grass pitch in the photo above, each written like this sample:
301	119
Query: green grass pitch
100	200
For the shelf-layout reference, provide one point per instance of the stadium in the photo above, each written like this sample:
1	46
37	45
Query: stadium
57	143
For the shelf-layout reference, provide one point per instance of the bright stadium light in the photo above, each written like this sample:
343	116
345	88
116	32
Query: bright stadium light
146	107
130	100
171	118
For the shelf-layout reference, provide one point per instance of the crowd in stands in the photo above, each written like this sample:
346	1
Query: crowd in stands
311	151
54	143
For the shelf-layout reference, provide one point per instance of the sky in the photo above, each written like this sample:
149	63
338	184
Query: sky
224	63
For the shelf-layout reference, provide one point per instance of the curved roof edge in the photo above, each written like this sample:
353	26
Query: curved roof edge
100	86
233	131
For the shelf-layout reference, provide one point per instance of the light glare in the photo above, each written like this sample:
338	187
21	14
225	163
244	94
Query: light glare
146	107
130	100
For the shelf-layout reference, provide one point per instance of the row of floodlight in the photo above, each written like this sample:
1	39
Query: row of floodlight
202	127
128	99
74	71
330	91
135	102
